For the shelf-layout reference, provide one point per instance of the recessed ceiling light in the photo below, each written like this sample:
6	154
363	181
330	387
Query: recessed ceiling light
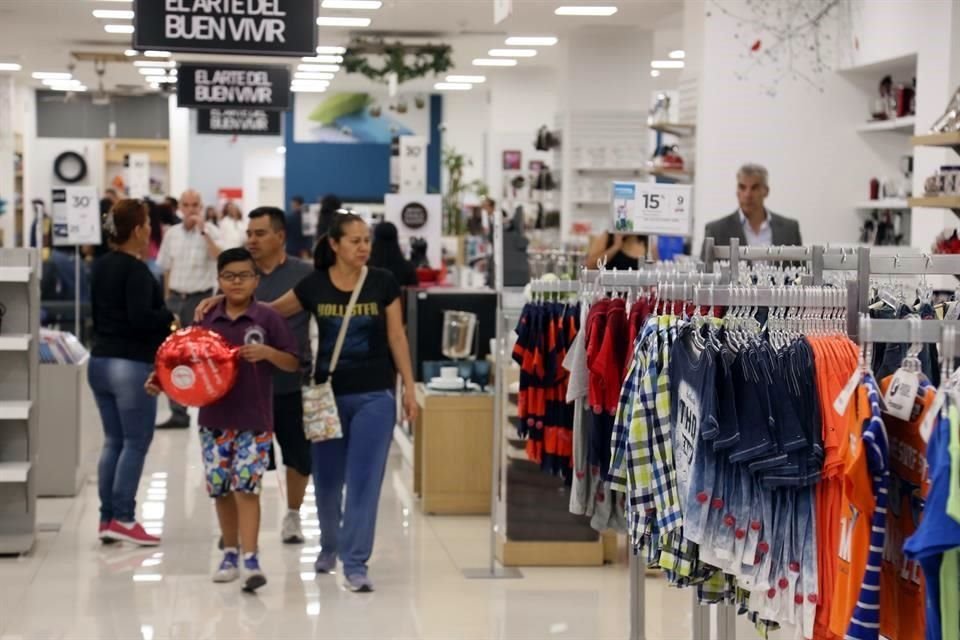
331	50
51	75
467	79
62	82
677	54
303	88
585	11
512	53
113	14
310	83
329	68
666	64
331	21
155	63
654	73
453	86
281	150
361	5
153	72
67	87
531	41
130	53
324	59
118	28
157	54
309	75
494	62
163	79
10	66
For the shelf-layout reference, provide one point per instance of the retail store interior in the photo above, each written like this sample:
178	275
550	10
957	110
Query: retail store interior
673	320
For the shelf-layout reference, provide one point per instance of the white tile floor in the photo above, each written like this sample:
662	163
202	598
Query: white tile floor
72	587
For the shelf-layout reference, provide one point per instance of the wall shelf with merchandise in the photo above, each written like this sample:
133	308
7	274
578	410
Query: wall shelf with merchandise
115	152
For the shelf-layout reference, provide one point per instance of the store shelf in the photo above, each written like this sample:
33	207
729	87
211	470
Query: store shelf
14	274
16	342
888	203
672	174
636	170
14	472
680	129
15	409
903	125
938	140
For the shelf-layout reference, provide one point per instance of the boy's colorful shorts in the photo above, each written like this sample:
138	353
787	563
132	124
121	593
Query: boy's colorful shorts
234	461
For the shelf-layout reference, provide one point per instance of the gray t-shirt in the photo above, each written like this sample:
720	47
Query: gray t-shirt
272	286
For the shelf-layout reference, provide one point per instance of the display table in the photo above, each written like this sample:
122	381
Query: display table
452	442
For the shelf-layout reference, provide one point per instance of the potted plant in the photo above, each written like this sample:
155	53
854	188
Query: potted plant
455	163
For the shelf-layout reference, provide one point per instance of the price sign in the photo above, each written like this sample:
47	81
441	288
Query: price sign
76	216
650	208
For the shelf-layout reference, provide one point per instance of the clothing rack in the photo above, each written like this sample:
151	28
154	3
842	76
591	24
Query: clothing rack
809	297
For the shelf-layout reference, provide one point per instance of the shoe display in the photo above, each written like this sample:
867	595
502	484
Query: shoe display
359	584
291	532
132	532
253	576
229	569
325	563
173	423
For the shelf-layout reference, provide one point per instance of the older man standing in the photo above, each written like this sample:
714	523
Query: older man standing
753	223
188	258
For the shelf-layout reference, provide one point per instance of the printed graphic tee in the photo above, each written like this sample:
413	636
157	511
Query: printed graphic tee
365	361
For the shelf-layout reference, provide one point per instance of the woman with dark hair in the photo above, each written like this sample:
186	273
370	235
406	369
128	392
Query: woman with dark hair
130	322
386	254
374	351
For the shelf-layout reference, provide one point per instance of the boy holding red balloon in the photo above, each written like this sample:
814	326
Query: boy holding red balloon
236	430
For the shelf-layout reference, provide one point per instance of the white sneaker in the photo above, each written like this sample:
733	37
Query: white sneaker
291	532
228	570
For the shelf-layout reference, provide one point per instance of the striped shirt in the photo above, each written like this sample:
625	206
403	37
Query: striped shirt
865	622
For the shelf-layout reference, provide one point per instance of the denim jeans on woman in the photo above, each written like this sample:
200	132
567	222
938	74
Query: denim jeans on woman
128	414
358	460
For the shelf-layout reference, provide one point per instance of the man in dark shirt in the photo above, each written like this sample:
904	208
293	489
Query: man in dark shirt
279	273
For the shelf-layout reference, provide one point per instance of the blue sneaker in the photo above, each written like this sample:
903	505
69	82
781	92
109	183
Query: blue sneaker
228	570
254	578
359	584
325	563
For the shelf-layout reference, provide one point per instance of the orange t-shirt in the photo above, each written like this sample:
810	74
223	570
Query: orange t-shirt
902	612
836	360
856	511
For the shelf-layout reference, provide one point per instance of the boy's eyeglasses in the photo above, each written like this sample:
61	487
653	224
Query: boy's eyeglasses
243	276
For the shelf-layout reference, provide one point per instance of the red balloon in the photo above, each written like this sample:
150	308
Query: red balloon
196	367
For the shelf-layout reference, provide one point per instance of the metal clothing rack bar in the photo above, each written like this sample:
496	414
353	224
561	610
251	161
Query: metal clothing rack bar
651	278
799	296
555	286
903	331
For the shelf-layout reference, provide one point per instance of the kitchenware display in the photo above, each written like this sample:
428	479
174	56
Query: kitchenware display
447	384
950	120
459	339
874	189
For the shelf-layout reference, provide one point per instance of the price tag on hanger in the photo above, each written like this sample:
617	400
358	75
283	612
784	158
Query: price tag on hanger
651	208
901	396
843	399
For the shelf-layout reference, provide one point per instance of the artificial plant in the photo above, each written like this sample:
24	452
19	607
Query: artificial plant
455	163
407	61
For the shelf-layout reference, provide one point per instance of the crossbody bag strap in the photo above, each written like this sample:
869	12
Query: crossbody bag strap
346	321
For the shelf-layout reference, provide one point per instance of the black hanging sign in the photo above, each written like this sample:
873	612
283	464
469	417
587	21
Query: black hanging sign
249	27
243	122
208	86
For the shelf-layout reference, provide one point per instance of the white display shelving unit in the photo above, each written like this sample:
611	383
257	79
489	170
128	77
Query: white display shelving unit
886	203
597	147
19	364
903	125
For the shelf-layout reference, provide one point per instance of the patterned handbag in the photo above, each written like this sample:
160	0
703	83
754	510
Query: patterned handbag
321	420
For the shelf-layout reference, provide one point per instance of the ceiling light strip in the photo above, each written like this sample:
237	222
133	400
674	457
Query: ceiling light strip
592	10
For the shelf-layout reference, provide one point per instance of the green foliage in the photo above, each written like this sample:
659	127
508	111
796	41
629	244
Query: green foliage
409	62
455	162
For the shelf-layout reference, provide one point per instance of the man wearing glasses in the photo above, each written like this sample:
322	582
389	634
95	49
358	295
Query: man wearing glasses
188	257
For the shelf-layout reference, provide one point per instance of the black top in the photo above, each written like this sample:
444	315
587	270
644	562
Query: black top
129	318
621	261
365	361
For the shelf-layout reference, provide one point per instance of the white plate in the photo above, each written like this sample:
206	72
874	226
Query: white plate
447	384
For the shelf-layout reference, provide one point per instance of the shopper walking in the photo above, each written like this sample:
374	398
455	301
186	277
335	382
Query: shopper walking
298	244
188	258
753	223
387	254
129	323
279	273
374	350
232	227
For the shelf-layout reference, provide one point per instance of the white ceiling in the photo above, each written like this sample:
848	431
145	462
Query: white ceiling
41	34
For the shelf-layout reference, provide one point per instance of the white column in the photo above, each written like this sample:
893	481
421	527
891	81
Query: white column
179	148
7	107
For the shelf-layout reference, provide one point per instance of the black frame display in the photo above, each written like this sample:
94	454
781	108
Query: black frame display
276	75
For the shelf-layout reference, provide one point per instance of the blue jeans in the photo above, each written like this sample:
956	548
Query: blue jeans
358	460
128	414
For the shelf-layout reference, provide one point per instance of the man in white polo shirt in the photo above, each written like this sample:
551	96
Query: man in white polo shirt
188	258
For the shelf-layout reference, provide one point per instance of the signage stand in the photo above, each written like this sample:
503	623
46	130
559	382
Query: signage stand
495	571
